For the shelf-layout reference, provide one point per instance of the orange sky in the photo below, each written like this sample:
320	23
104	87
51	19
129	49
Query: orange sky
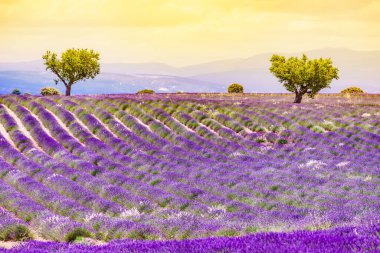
185	32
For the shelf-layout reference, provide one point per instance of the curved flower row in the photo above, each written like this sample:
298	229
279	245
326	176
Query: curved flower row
345	239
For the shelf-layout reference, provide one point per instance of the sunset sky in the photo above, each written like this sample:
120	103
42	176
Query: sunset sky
185	32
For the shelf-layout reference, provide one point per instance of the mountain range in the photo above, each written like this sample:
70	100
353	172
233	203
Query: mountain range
356	68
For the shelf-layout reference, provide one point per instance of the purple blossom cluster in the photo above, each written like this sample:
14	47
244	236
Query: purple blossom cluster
344	239
189	166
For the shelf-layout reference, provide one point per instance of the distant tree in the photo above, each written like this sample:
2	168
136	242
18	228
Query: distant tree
235	88
48	91
351	90
75	65
145	91
16	92
303	76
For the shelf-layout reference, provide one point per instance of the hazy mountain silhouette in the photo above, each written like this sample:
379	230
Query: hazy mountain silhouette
356	68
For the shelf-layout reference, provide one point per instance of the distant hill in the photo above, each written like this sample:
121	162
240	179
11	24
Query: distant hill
33	81
357	68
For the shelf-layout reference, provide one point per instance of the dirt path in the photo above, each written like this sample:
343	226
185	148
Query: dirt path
8	245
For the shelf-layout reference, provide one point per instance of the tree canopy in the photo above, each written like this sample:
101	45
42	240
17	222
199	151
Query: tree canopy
303	75
235	88
75	65
145	91
352	90
16	92
48	91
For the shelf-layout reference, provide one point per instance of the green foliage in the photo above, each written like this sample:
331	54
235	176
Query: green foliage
48	91
228	232
95	172
164	202
351	90
303	76
231	209
274	187
15	233
75	65
28	218
282	141
184	206
4	174
155	182
235	88
140	234
260	140
145	91
16	92
317	129
96	226
328	125
77	233
346	188
251	229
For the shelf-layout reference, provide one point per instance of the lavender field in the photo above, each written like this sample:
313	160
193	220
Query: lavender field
190	173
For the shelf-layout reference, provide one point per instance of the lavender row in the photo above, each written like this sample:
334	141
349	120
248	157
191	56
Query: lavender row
345	239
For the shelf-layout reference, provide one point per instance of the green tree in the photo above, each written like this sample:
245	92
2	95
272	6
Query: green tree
235	88
145	91
75	65
48	91
303	76
351	90
16	92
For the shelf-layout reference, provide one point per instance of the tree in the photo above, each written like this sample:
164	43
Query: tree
303	76
16	92
145	91
75	65
351	90
235	88
48	91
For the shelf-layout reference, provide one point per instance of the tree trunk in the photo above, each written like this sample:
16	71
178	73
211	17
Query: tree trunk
68	90
298	98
